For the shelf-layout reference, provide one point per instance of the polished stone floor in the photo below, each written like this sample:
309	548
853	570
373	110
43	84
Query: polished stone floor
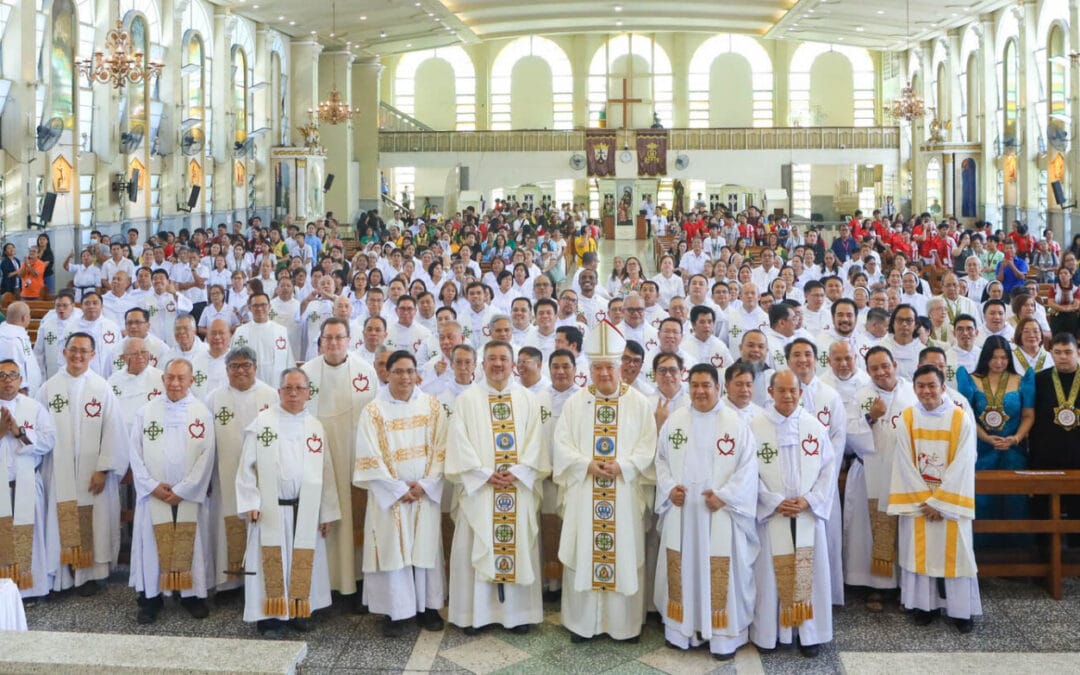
1022	631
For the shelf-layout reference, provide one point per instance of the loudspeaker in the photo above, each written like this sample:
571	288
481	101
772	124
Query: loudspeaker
133	186
1059	192
464	183
328	183
47	206
193	199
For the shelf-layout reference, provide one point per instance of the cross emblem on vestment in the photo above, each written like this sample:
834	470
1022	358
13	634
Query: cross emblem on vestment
867	404
57	403
625	101
606	414
735	331
116	391
241	341
677	439
266	437
767	453
154	430
50	338
224	415
544	414
313	390
200	377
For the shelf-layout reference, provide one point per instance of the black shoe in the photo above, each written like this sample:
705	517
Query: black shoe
470	630
765	650
809	651
578	639
196	607
923	618
391	628
965	626
357	603
88	589
671	645
300	625
521	630
553	596
727	657
271	628
148	609
429	619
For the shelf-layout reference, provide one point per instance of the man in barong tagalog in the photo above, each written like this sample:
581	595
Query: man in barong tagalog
707	486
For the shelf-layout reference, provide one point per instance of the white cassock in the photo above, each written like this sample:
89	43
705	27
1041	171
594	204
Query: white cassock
232	410
700	545
712	351
49	344
315	313
285	313
172	442
551	407
338	396
794	460
826	405
474	325
604	576
89	438
22	496
157	348
936	469
270	341
116	306
132	392
15	345
856	340
413	339
106	334
286	474
163	311
431	382
496	535
746	414
210	373
197	347
870	532
740	321
907	356
397	443
777	342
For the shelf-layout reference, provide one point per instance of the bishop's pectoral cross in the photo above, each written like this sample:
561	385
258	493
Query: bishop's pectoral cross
625	101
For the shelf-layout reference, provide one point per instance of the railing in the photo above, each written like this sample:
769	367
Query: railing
543	140
393	120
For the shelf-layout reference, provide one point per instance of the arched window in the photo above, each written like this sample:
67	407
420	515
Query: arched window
502	85
1010	69
137	96
196	73
240	85
972	99
278	116
60	103
463	89
941	93
613	62
1057	76
707	75
862	82
86	16
933	185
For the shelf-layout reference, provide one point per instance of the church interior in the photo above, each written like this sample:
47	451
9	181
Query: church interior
227	110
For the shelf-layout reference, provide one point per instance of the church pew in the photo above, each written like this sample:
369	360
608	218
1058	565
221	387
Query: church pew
663	245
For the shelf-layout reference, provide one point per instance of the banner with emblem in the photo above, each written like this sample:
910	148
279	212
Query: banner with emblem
600	147
652	152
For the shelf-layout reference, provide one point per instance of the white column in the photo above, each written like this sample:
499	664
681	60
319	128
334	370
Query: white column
366	76
336	72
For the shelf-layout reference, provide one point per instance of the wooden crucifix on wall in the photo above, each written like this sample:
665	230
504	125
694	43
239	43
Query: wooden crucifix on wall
625	101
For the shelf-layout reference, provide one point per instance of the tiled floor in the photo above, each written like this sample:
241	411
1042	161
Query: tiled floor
1031	632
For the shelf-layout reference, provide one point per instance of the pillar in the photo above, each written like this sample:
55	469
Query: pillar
304	85
336	71
366	87
988	128
1027	197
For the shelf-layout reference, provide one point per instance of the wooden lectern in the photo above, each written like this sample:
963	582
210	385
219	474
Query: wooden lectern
609	227
642	227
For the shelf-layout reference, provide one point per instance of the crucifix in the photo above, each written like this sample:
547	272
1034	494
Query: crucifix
625	101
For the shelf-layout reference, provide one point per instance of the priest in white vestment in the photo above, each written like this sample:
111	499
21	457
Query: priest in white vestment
342	384
209	364
400	449
285	311
933	492
499	468
269	339
172	459
105	332
137	383
285	488
233	407
739	391
706	485
27	437
604	447
53	331
15	344
795	498
82	474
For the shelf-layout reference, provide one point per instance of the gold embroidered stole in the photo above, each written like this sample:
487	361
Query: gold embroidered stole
504	517
17	522
605	435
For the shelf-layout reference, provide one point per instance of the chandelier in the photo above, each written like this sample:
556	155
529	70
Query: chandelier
907	106
334	110
118	64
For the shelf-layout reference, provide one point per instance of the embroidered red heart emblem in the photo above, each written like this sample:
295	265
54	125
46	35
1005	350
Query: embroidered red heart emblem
726	445
685	375
810	445
266	406
93	408
152	394
580	379
197	429
863	350
109	337
416	346
651	344
601	315
314	444
655	323
171	307
893	420
360	383
717	361
280	343
27	425
486	331
153	361
824	416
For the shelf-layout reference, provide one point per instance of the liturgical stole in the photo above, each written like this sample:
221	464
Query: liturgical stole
17	523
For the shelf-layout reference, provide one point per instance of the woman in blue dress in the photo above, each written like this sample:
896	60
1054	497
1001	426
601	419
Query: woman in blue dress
1003	401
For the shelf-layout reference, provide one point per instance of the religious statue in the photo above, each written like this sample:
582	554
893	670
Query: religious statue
626	203
310	132
608	209
656	121
679	192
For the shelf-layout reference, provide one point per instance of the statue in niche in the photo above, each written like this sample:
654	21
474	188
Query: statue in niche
967	188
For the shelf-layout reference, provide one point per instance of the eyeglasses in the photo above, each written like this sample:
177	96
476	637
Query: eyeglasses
403	371
259	305
241	365
143	354
73	350
10	376
335	338
667	371
633	310
295	390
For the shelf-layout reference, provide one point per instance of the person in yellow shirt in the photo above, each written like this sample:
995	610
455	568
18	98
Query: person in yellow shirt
583	243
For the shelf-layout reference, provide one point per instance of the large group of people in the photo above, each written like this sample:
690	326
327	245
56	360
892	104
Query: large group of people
301	425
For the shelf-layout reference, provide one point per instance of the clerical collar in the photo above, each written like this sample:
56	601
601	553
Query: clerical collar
283	411
735	405
386	395
719	403
946	405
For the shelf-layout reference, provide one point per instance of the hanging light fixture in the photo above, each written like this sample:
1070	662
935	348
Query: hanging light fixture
334	110
908	105
118	64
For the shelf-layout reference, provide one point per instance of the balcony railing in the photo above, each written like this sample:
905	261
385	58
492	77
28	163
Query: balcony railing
393	120
524	140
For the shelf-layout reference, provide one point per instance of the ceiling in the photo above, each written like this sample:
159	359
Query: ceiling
390	26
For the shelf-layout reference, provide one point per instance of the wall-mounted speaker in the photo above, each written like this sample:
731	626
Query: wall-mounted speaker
193	198
329	181
47	206
133	186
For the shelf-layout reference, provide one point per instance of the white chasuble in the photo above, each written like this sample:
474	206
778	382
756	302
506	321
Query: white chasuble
270	341
285	314
210	373
401	442
134	391
232	410
172	443
338	396
22	497
935	465
89	438
704	574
